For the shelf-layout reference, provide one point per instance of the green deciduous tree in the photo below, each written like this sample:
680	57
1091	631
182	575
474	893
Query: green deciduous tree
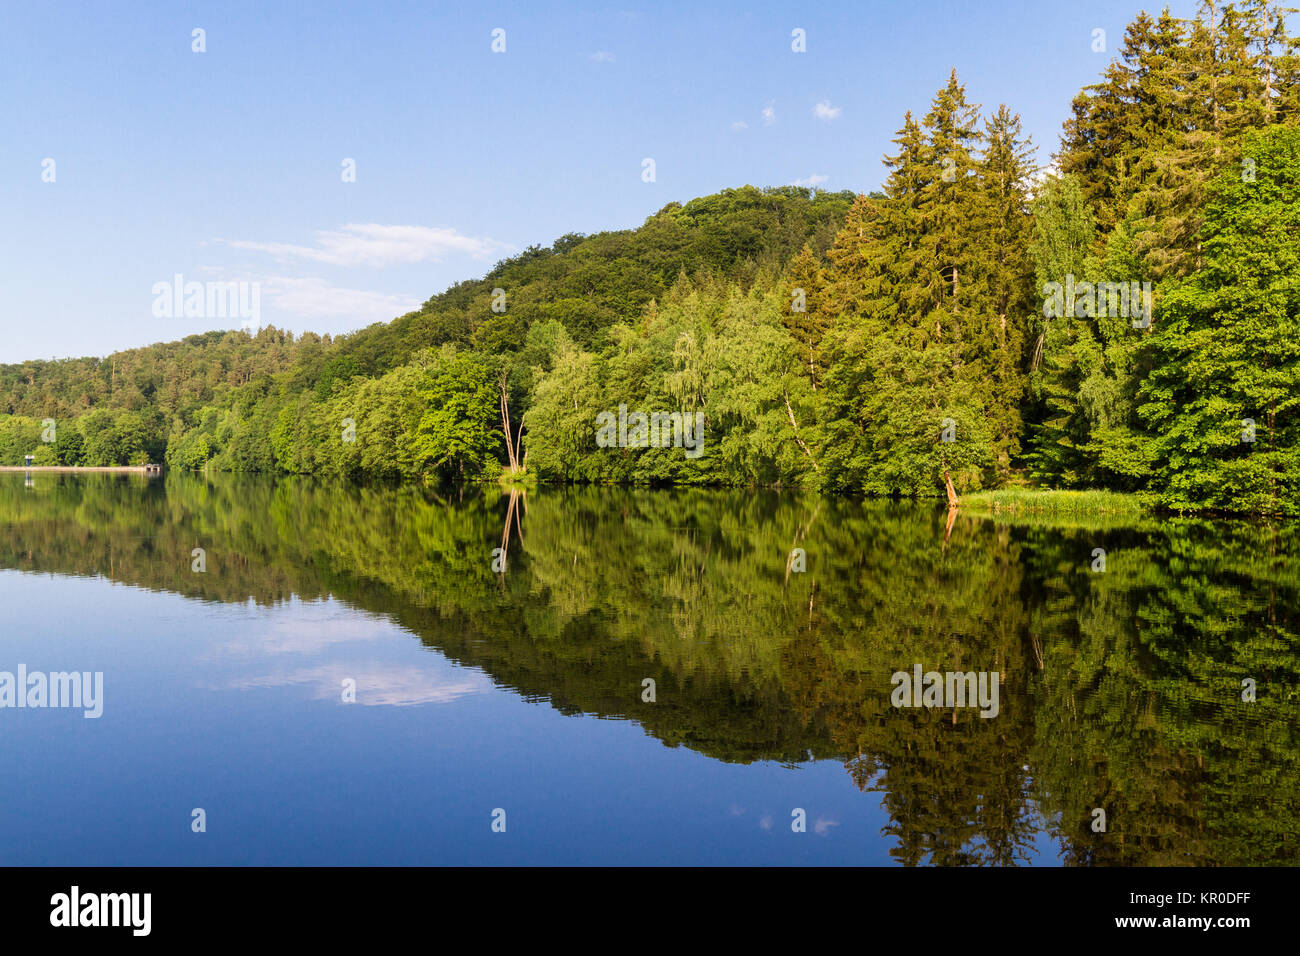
1223	397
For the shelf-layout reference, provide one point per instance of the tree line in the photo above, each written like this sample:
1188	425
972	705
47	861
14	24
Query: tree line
885	344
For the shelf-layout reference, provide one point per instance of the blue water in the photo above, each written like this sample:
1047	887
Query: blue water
238	711
478	691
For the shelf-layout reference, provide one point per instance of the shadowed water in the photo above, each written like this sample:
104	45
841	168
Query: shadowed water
525	690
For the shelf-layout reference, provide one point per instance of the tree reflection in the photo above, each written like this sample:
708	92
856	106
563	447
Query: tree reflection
1119	690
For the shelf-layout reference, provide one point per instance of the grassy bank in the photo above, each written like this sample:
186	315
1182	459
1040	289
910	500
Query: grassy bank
1029	501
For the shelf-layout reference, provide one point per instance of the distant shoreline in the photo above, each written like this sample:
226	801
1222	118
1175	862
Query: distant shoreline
118	469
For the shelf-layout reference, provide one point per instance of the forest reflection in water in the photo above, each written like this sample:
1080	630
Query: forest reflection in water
1120	690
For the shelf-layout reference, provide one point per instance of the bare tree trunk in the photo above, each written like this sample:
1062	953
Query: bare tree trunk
795	427
505	424
952	492
505	537
511	513
799	535
952	520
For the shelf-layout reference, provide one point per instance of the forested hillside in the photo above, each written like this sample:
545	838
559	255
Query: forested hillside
204	399
1127	318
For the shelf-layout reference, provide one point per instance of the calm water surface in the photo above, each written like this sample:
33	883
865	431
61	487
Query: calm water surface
523	690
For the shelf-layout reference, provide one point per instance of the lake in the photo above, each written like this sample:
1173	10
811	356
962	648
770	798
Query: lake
302	672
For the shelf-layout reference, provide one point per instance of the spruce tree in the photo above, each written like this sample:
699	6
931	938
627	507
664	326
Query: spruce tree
1216	85
1118	121
1001	227
802	311
910	390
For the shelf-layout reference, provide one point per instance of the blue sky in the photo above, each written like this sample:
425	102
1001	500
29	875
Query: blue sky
226	165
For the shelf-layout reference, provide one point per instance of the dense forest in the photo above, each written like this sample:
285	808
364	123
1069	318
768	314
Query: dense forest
1127	318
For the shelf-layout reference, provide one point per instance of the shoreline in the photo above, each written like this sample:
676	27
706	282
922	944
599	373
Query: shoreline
101	469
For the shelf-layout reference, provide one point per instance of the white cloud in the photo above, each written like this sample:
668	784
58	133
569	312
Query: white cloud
769	114
373	244
316	298
306	627
1038	178
813	181
270	648
824	110
602	56
316	627
823	826
739	125
378	684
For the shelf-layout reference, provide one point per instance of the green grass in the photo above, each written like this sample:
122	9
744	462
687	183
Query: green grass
523	478
1058	507
1056	502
